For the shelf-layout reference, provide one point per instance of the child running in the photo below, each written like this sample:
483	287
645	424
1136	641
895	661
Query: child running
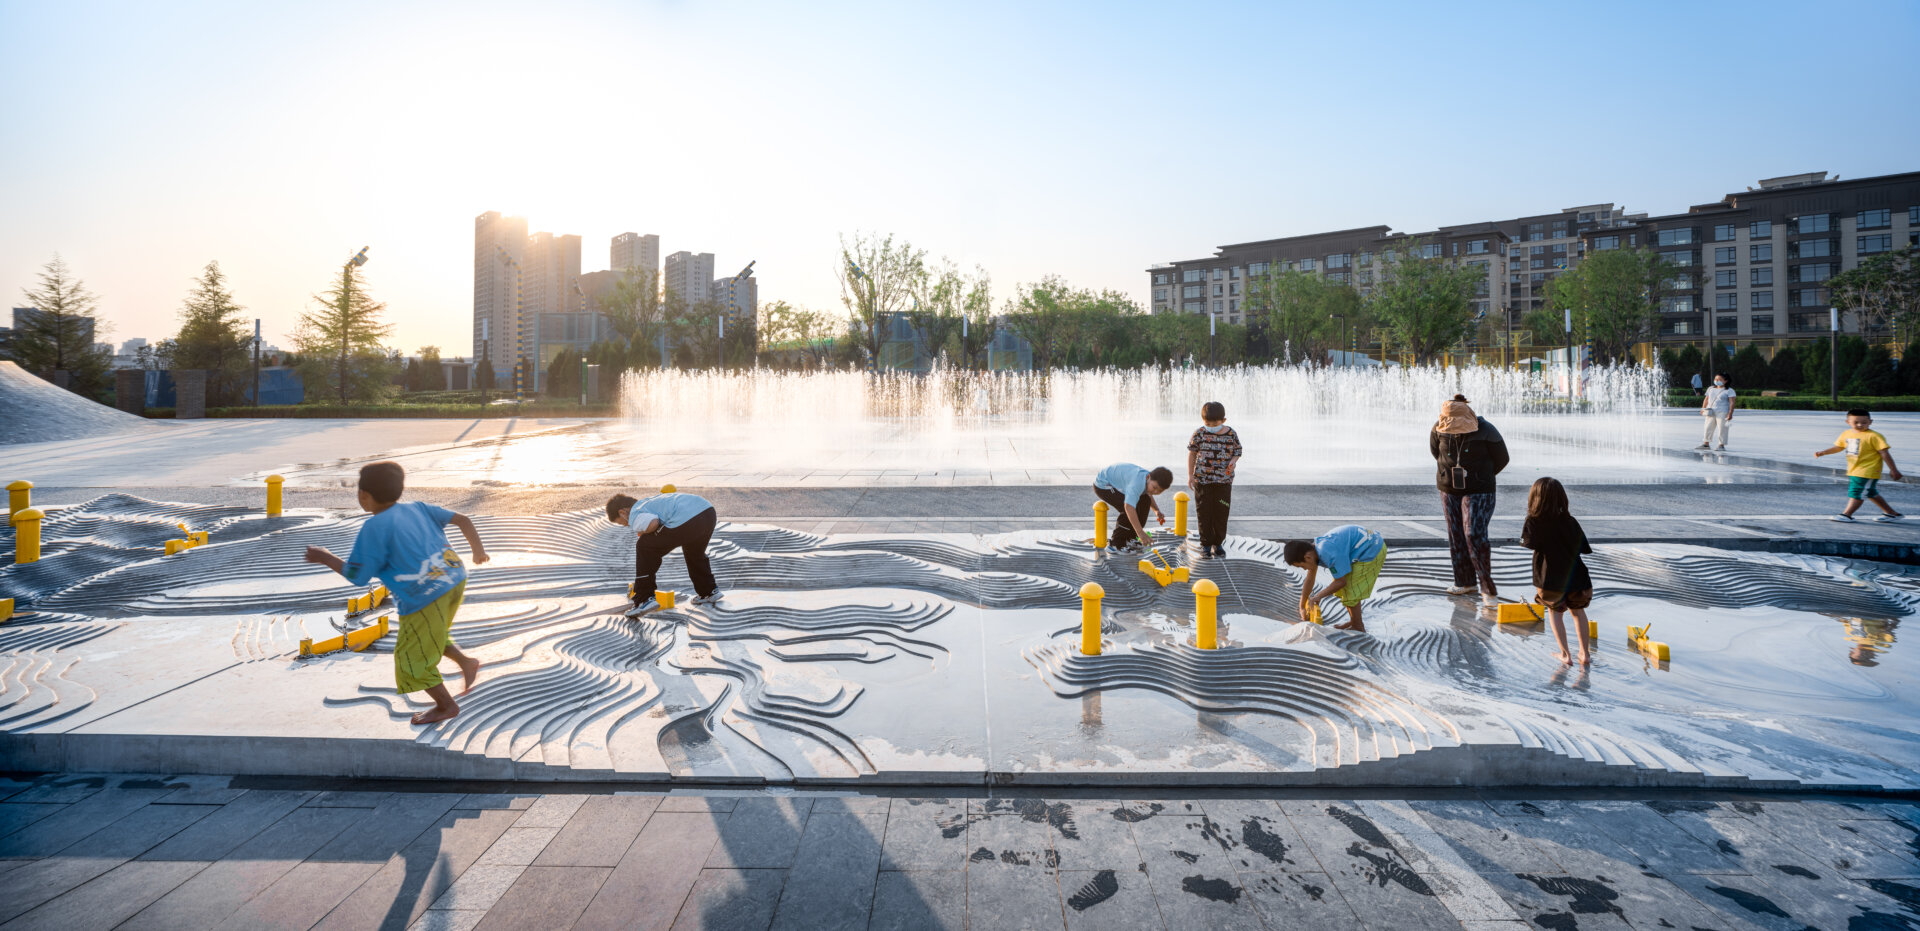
1352	555
660	525
1866	449
1129	489
1212	454
404	544
1559	573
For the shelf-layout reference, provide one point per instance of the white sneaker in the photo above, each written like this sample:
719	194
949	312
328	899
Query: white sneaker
1459	589
1843	518
1489	601
1701	446
709	599
1889	518
651	604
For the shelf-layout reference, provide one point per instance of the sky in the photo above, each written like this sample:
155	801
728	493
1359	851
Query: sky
1087	140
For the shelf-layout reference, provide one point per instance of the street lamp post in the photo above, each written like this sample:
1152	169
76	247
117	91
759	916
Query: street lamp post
256	362
1345	343
1833	355
1569	323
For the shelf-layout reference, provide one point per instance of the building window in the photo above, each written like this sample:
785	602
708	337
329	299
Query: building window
1760	229
1257	268
1604	243
1870	245
1233	288
1807	297
1234	273
1633	240
1160	278
1192	275
1676	305
1761	325
1192	291
1682	259
1535	237
1913	216
1760	300
1516	252
1761	276
1477	247
1874	219
1724	232
1536	279
1679	237
1727	326
1160	294
1340	277
1760	253
1812	223
1727	301
1726	255
1430	251
1585	218
1366	258
1806	323
1811	248
1678	283
1536	250
1233	306
1339	261
1810	274
1193	307
1726	278
1216	307
1537	263
1219	273
1306	265
1219	289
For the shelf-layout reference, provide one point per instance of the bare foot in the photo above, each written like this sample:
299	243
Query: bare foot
1564	659
1349	625
436	713
1586	659
469	674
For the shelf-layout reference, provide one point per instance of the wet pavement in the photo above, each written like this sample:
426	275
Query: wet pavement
81	852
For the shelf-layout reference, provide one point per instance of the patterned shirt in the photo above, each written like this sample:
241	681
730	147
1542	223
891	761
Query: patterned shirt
1216	450
406	547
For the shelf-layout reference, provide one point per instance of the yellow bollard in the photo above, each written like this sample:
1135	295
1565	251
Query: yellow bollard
19	497
1100	525
1090	595
1206	614
1180	514
668	489
26	535
273	494
6	610
663	596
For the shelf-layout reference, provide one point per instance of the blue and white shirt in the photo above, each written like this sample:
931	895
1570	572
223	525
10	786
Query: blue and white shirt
405	546
1341	547
1125	477
673	509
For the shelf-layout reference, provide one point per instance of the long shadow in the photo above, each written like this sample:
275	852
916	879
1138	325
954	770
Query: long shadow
801	862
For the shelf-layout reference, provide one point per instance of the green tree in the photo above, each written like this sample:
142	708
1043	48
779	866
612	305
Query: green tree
62	334
563	375
1303	314
696	331
1783	372
339	342
1883	289
483	377
937	311
878	278
1615	299
976	307
1909	371
1748	370
1061	322
433	374
1874	375
634	307
1425	301
807	334
1175	338
215	338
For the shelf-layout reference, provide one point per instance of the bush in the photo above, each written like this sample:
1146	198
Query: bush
1874	375
1783	373
1748	370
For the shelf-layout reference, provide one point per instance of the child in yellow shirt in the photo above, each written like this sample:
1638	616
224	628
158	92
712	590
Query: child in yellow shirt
1866	450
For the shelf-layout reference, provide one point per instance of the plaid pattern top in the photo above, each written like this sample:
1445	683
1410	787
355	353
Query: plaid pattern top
1216	450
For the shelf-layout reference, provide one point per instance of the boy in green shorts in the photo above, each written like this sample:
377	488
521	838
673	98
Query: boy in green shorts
1353	555
1866	449
404	544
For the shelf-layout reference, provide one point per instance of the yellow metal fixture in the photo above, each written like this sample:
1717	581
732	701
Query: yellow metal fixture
1206	614
1641	643
1090	595
273	494
1180	514
355	640
1100	525
19	497
1520	612
26	535
664	596
6	610
668	489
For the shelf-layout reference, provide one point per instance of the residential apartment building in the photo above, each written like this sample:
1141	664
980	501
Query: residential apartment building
494	312
740	297
690	275
635	250
1755	264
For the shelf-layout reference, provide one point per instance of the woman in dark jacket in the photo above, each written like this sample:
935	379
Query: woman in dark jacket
1469	454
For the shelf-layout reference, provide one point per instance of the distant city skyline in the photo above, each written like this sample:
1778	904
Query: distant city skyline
1077	139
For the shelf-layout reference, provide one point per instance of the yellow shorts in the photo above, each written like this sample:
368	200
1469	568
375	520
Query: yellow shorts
424	636
1361	580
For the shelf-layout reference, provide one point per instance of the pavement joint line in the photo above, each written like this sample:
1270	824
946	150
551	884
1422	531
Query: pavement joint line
1420	527
1720	526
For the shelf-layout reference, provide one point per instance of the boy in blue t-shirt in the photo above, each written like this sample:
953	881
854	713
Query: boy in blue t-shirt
404	544
1353	555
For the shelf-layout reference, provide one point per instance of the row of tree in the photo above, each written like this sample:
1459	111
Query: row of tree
1865	369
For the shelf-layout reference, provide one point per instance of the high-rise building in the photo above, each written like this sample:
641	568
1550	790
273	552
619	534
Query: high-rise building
690	276
493	299
635	250
739	296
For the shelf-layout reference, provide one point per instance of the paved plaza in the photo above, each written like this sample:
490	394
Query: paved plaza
82	852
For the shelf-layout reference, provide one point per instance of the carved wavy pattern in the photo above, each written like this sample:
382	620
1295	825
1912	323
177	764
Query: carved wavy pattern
1352	717
34	688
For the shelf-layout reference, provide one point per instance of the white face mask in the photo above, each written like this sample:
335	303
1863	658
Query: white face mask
1717	383
1219	429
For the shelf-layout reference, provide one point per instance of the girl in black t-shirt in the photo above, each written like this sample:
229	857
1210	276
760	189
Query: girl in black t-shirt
1559	573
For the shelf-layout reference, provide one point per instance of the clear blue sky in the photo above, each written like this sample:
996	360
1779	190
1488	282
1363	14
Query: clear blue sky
1088	140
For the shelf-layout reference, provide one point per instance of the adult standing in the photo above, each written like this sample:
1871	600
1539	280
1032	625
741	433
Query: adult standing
1717	408
1469	454
1696	384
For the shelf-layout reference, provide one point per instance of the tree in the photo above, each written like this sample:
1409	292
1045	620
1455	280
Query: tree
1425	301
976	306
215	338
339	342
1304	315
878	279
784	327
432	373
1783	373
1748	369
1615	299
563	375
483	377
1874	375
937	311
634	306
696	331
1884	289
1039	315
1909	371
61	334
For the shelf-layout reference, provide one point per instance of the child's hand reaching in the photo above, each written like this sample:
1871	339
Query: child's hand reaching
480	556
319	554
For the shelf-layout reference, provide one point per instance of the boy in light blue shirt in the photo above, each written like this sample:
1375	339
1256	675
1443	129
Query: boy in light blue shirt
1353	555
404	544
1129	489
661	524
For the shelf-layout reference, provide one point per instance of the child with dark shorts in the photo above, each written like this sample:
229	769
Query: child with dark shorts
1212	453
1559	574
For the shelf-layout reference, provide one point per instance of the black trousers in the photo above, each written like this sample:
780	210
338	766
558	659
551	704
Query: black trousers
691	539
1211	501
1123	529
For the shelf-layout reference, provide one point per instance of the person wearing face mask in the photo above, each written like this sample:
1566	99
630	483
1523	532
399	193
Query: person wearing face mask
1717	408
1212	454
